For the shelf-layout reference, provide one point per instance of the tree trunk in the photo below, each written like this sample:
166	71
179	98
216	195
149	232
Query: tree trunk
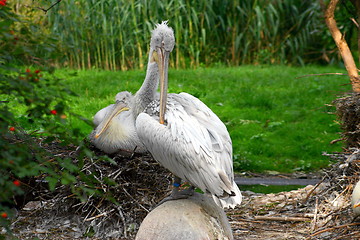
342	46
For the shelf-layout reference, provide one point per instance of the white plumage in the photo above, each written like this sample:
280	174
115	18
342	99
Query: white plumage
355	200
193	144
118	132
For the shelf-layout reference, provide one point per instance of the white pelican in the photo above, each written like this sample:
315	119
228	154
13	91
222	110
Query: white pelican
355	200
115	127
115	124
189	139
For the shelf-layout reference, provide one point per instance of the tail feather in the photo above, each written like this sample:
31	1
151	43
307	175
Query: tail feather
229	201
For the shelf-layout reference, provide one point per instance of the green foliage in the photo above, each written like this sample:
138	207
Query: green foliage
277	121
114	34
33	112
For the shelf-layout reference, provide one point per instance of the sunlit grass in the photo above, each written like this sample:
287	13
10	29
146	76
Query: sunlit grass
276	120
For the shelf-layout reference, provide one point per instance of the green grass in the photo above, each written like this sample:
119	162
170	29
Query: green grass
277	121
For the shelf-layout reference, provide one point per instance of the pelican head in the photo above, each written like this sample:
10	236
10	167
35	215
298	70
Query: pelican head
115	127
162	37
124	97
162	43
122	102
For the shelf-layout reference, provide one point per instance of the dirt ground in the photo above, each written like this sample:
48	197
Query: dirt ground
284	215
322	211
291	215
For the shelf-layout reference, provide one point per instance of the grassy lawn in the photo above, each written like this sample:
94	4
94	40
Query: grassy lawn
277	122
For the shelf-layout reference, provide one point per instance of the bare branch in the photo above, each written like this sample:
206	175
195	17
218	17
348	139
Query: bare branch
332	228
285	219
355	22
53	5
342	45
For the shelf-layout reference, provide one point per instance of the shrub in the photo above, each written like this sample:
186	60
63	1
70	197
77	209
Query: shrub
33	112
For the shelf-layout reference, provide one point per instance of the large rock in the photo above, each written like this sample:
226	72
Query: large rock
195	218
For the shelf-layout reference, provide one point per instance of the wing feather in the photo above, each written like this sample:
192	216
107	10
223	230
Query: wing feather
194	144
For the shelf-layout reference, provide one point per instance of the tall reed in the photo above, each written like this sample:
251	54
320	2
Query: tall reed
114	34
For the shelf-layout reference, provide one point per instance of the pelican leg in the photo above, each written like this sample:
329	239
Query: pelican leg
176	193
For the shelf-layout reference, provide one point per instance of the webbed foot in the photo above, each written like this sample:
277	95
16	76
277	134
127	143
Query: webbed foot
176	194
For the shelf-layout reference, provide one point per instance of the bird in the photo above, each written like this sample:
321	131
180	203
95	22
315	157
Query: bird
179	130
115	124
115	127
185	136
355	200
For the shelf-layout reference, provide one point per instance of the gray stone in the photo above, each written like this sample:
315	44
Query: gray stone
195	218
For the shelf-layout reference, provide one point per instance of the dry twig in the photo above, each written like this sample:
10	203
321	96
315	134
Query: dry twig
333	228
285	219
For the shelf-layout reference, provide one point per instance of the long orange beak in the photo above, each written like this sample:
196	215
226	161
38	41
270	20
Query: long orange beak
163	64
118	108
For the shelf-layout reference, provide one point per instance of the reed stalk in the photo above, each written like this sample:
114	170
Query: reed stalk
114	34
